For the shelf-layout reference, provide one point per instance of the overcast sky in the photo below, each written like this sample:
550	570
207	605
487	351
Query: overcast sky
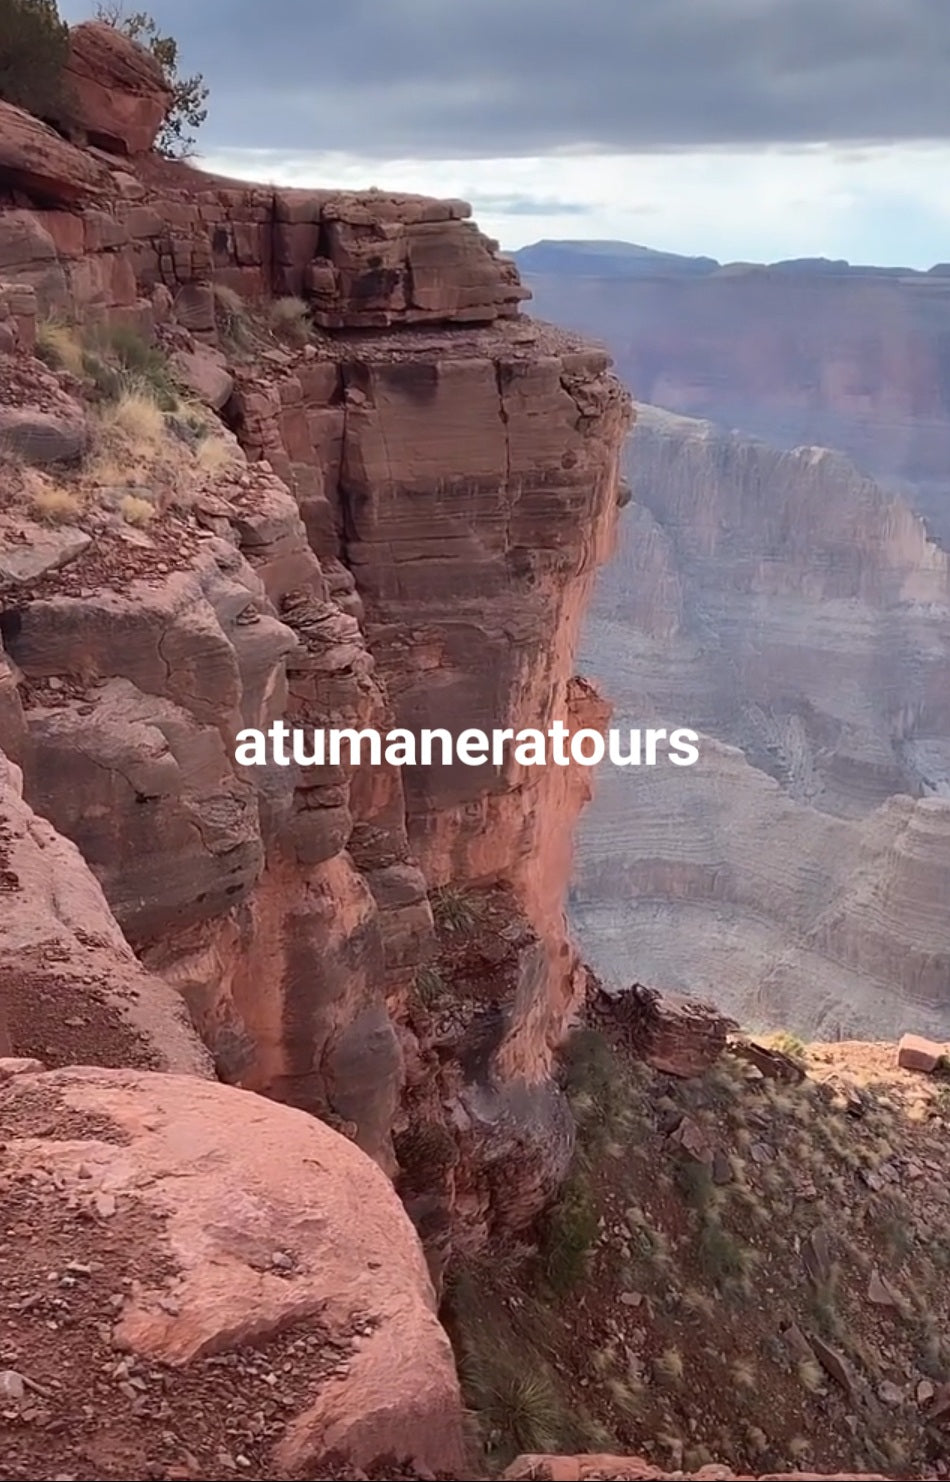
741	129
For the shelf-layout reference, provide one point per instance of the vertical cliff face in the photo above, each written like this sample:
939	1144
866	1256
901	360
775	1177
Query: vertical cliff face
403	528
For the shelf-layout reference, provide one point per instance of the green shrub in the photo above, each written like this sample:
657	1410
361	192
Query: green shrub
454	911
695	1182
122	359
34	47
430	986
723	1257
568	1237
518	1406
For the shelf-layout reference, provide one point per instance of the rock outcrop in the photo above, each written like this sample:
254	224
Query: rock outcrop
675	1036
71	990
796	613
34	159
215	1256
117	92
407	534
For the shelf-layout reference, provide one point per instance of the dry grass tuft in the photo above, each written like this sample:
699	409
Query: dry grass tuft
290	320
811	1375
59	346
231	315
215	454
136	415
54	504
136	511
743	1375
669	1366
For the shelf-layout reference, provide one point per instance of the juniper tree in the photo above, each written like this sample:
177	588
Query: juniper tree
34	46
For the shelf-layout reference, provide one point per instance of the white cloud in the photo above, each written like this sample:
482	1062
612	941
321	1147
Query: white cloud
878	204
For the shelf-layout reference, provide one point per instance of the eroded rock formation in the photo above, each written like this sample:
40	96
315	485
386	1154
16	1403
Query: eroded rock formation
797	614
402	524
409	536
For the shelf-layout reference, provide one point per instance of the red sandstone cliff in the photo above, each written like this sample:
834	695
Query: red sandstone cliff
408	531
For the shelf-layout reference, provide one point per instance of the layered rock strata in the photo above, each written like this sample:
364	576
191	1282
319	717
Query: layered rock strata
430	484
806	352
799	616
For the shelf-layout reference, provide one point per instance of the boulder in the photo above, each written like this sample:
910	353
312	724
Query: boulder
206	375
261	1261
118	90
45	437
34	159
916	1053
37	550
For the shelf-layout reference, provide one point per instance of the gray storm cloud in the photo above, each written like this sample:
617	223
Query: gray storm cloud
444	78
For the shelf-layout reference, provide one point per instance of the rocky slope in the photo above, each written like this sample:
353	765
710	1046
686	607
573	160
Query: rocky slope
745	1274
795	613
798	353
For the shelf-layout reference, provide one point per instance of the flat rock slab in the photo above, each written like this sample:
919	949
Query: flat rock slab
35	159
42	549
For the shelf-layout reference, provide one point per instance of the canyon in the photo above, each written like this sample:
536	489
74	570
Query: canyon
805	352
791	603
281	1050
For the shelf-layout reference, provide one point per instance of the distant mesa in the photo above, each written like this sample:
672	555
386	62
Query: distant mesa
609	260
595	259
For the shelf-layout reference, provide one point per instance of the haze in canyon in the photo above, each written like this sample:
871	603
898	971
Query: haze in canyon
791	602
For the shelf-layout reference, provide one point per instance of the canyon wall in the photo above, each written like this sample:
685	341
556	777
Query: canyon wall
791	603
795	613
404	529
796	353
